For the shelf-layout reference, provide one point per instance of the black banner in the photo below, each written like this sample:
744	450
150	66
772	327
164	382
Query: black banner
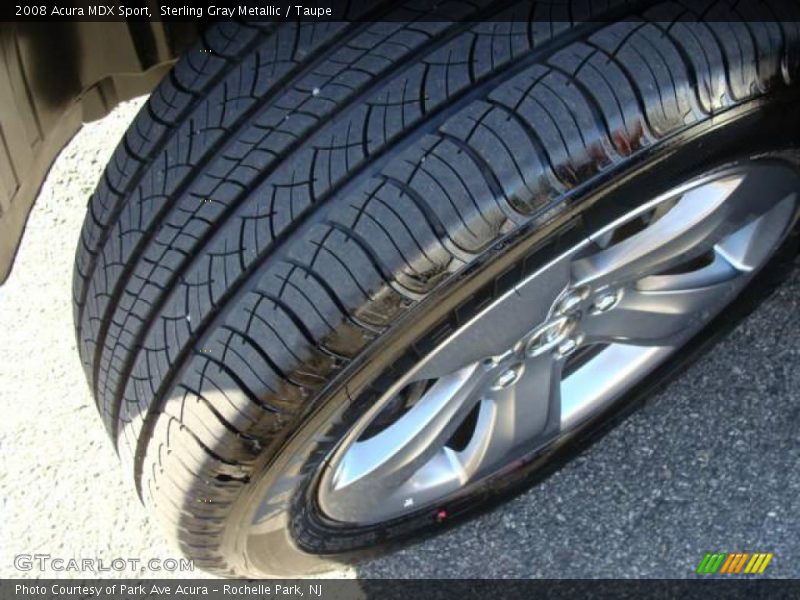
362	10
438	589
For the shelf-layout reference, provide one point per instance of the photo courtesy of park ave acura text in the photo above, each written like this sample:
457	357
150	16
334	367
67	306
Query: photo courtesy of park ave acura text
400	299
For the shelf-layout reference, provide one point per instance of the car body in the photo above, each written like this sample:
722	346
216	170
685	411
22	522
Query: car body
56	76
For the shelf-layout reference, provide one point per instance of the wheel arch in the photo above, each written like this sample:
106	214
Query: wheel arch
56	76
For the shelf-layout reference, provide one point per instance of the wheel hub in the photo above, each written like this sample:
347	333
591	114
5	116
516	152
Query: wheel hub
560	334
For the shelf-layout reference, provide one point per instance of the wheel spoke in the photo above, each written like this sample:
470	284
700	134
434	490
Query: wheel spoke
495	329
441	474
719	270
393	455
515	416
601	380
654	318
686	230
752	244
702	216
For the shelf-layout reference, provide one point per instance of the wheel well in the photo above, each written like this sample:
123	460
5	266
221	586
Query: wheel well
56	76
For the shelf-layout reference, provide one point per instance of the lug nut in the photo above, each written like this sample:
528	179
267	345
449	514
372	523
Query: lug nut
604	302
507	378
567	347
545	337
552	333
572	300
569	304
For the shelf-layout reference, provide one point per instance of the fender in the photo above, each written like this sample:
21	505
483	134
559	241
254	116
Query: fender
99	65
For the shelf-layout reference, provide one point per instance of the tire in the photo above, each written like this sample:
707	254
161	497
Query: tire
299	211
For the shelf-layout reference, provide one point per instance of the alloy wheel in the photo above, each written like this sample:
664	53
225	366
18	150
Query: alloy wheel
560	346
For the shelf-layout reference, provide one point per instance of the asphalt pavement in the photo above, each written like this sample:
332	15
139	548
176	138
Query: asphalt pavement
710	464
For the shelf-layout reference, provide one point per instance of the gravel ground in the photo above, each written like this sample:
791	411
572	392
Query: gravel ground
710	464
64	490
